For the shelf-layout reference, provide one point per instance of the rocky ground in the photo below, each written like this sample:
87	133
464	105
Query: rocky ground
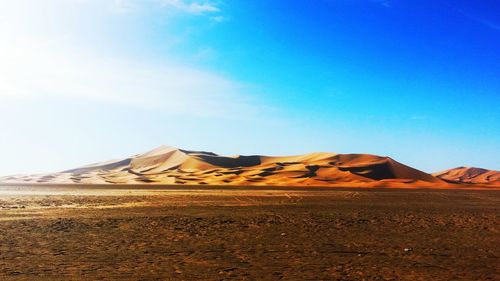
342	234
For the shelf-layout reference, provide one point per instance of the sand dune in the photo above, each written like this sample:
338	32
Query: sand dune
170	165
470	175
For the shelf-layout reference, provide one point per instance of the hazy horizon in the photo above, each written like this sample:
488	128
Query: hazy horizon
84	81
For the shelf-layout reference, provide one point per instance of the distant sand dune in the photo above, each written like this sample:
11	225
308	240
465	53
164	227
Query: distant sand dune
170	165
470	175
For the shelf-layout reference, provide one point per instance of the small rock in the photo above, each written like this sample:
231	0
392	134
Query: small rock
408	249
283	234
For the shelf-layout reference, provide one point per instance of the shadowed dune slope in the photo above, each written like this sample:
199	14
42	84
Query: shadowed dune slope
170	165
470	175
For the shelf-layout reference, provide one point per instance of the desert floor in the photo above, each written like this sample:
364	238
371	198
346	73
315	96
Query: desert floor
96	233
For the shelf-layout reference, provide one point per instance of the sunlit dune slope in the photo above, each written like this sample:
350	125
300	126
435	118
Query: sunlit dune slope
169	165
470	175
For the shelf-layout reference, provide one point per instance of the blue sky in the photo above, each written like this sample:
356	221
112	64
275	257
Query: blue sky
85	80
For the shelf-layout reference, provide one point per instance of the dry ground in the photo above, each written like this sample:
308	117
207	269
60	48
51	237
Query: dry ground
89	233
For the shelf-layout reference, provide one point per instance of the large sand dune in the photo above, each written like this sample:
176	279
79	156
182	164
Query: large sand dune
169	165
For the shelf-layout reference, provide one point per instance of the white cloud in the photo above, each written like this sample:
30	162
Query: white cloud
168	87
218	19
196	8
41	57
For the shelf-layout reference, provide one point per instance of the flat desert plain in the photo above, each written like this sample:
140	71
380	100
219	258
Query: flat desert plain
212	233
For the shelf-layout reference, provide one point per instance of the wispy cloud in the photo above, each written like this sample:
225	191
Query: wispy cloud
195	8
219	19
39	61
481	20
419	117
385	3
167	87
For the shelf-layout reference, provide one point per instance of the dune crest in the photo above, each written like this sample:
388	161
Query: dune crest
170	165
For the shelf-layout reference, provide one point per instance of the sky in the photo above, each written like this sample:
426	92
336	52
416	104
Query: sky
82	81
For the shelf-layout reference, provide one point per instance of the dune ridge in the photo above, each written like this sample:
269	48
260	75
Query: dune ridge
170	165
